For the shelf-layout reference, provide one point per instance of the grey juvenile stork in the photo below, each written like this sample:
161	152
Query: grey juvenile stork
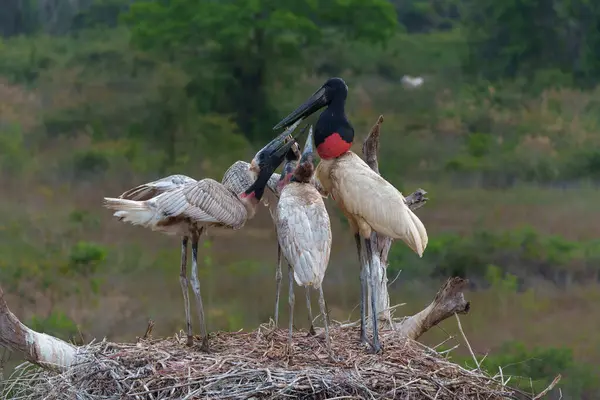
186	207
304	233
369	202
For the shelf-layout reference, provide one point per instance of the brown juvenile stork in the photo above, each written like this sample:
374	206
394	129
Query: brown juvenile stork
304	233
369	202
186	207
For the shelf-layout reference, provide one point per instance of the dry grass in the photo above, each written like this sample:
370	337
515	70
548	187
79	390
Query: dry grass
256	365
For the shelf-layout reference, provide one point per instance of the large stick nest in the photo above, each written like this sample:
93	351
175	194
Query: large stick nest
255	365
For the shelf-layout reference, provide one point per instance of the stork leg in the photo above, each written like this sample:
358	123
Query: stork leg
196	289
376	345
311	331
324	312
184	288
291	300
278	276
363	291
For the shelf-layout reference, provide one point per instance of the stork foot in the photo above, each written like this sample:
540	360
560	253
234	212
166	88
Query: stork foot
204	346
375	348
190	341
363	340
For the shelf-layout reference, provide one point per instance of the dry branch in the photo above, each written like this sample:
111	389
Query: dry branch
448	301
381	243
38	348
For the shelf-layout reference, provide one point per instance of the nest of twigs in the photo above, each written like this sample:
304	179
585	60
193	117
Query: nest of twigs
255	365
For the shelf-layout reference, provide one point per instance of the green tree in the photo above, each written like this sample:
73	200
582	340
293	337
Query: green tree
234	50
549	41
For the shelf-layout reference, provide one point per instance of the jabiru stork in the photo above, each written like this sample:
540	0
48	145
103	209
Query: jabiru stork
186	207
369	202
304	233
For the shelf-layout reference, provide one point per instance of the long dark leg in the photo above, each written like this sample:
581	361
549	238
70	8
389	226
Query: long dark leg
363	291
278	276
184	288
196	289
324	312
291	300
311	331
369	253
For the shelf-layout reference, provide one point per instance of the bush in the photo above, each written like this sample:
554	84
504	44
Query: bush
535	369
485	257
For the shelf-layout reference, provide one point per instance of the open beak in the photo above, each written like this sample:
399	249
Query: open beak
281	150
277	148
308	147
315	102
281	143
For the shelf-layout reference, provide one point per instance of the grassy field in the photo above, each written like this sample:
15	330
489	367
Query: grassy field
85	118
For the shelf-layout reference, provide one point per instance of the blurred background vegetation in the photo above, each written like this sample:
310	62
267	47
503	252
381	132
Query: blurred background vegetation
97	96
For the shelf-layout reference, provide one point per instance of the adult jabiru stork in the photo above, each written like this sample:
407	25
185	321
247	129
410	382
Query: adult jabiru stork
186	207
369	202
304	233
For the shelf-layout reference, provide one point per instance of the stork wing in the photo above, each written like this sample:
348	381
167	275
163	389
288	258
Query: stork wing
237	178
155	188
366	194
204	201
304	232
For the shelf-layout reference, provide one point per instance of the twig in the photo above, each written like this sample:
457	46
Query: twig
549	388
467	342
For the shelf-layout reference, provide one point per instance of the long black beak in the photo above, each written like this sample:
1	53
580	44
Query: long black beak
315	102
277	148
281	139
307	152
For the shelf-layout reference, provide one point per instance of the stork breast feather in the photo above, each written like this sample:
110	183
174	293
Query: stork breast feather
304	234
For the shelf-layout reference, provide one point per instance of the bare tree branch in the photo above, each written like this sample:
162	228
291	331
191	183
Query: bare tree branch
41	349
449	299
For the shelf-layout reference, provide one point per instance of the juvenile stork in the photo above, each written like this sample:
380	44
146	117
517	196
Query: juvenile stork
304	233
179	205
369	202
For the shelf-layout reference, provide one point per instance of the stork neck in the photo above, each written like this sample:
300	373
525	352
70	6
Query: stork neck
304	172
338	103
250	202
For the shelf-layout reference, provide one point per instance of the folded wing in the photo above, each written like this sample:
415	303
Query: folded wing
366	194
304	233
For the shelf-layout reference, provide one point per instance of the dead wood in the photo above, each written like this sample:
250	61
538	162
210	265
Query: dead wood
449	299
38	348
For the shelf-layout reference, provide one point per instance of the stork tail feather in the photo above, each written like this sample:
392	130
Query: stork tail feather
142	192
135	212
417	238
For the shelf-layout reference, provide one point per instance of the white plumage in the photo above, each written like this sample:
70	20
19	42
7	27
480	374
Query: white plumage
180	205
185	208
370	202
303	235
304	232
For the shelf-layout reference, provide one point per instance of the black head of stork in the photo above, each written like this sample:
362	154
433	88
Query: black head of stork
333	132
270	157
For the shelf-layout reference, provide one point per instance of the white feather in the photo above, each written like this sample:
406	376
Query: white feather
368	198
304	232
